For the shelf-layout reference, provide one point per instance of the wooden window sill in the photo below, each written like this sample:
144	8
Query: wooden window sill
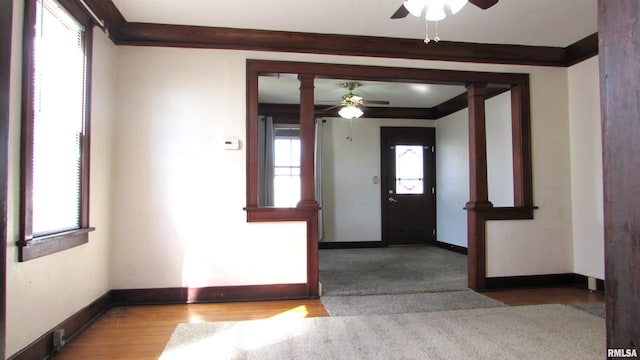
49	244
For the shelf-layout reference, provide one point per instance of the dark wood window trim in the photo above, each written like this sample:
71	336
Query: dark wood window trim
480	210
31	247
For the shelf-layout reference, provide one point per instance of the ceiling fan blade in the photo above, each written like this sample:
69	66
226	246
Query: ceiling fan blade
402	12
483	4
375	102
332	107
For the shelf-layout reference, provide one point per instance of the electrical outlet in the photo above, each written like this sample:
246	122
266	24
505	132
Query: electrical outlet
591	283
58	339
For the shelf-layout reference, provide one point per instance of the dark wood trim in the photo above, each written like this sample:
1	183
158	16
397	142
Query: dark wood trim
183	295
521	145
109	13
452	247
511	282
77	11
6	30
43	347
145	34
350	245
582	50
479	209
45	245
290	112
30	246
307	142
537	281
619	29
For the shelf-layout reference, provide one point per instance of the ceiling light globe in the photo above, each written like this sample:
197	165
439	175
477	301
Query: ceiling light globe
350	112
415	7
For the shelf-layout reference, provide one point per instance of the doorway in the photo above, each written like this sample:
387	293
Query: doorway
408	185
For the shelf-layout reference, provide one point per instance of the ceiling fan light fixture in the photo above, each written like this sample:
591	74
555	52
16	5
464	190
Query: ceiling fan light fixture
350	112
435	11
415	7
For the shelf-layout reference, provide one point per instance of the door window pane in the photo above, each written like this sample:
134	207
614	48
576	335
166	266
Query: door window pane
409	169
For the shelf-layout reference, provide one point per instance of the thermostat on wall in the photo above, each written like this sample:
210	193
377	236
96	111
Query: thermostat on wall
231	144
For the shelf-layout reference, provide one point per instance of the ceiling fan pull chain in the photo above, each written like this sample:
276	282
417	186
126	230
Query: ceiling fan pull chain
426	39
436	38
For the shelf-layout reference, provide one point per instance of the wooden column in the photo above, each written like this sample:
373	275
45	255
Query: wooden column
521	145
307	141
478	188
307	177
619	33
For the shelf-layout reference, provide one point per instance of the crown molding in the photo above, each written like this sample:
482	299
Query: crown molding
123	32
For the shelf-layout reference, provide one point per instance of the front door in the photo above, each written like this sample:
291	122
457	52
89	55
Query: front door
408	180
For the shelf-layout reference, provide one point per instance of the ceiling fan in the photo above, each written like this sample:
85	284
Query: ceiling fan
406	8
351	104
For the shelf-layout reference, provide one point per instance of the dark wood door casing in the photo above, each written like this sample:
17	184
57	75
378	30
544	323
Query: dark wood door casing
477	216
619	77
407	219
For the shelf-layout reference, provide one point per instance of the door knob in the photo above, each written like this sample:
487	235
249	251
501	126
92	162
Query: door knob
392	199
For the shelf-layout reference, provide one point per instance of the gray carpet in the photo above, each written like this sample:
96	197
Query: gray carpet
406	303
397	270
522	332
396	280
596	309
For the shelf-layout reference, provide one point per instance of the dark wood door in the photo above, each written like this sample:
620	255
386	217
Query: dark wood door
408	180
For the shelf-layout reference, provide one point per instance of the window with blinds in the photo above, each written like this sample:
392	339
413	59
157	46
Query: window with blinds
58	119
55	127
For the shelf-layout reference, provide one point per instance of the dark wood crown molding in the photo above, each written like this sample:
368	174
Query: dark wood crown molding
123	32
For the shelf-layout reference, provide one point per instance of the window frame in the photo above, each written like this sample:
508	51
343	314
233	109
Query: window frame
31	247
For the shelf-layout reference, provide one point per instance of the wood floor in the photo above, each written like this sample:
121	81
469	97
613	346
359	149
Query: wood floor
141	332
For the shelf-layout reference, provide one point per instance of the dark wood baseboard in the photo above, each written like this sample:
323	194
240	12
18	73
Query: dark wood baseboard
43	347
549	280
452	247
209	294
350	244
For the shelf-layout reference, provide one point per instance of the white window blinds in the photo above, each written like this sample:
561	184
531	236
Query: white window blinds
58	119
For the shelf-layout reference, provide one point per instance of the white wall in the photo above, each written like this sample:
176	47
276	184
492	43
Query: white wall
452	177
542	245
586	168
499	150
43	292
178	194
452	157
351	199
178	217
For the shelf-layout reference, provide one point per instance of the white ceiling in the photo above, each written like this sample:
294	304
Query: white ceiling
284	90
524	22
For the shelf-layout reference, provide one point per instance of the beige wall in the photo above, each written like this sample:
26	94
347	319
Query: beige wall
178	197
43	292
352	208
178	217
167	199
543	245
586	168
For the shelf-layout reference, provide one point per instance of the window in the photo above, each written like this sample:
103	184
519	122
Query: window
55	130
286	167
409	170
